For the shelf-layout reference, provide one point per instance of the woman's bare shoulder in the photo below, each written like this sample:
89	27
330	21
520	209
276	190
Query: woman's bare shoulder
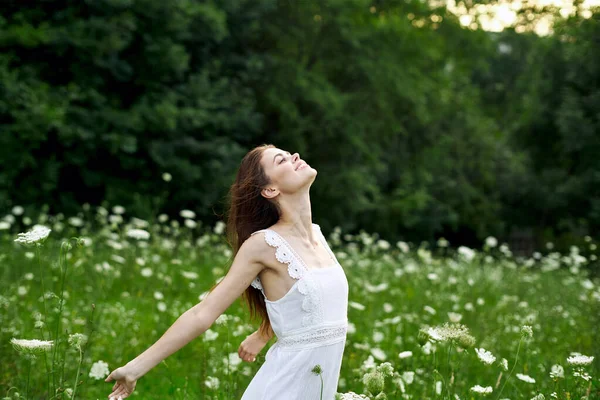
260	249
256	245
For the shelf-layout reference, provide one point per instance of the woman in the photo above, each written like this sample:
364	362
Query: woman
286	273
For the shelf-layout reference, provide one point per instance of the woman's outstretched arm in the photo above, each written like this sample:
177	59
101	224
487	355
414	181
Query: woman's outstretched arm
195	321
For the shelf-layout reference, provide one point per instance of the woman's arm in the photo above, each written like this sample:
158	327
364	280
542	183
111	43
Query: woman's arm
195	321
186	328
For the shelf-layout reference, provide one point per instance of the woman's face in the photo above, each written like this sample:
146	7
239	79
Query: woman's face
288	172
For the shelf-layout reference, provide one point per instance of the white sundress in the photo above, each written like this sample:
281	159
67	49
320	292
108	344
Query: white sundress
310	322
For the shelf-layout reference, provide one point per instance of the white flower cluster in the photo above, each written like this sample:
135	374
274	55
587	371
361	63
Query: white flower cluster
99	370
482	390
78	340
580	360
557	371
138	234
526	331
485	356
525	378
212	382
450	333
31	346
350	396
36	235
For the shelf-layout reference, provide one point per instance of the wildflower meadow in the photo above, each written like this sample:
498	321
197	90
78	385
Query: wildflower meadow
81	295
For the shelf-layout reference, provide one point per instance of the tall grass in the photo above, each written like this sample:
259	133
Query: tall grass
425	323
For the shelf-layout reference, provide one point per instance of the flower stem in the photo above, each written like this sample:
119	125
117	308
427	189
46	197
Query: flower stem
77	376
28	375
513	368
39	258
321	376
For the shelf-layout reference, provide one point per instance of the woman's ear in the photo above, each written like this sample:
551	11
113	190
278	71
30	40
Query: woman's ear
269	193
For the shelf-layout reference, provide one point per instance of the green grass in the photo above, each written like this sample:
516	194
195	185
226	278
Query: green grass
394	297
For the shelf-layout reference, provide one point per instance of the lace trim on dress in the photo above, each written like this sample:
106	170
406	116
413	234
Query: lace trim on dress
307	286
327	334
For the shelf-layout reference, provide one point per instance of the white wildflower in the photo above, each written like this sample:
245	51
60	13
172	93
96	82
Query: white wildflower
353	396
75	221
31	346
557	371
526	331
485	356
18	210
219	227
383	244
438	387
187	214
583	375
580	360
454	317
190	223
37	234
429	309
78	340
118	210
466	252
491	241
481	390
189	274
99	370
408	377
405	354
525	378
378	354
403	246
138	234
210	335
356	305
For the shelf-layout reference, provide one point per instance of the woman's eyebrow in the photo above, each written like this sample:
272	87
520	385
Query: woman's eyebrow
280	154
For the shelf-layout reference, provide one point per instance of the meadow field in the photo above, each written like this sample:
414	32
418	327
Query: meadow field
425	322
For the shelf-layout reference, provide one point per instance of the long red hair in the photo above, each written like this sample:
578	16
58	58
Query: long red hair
248	211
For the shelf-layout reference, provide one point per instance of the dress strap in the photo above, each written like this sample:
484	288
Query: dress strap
297	269
285	253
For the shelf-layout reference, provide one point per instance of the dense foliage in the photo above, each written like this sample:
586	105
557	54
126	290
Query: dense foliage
419	127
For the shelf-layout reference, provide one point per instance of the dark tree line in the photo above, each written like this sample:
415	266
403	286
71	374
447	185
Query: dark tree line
419	127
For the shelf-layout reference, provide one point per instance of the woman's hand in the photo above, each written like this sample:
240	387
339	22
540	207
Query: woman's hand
251	346
124	385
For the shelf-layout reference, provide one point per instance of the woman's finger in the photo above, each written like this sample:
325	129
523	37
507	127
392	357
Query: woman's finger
118	393
114	394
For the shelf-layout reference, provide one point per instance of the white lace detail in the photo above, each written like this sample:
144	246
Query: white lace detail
284	253
318	336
